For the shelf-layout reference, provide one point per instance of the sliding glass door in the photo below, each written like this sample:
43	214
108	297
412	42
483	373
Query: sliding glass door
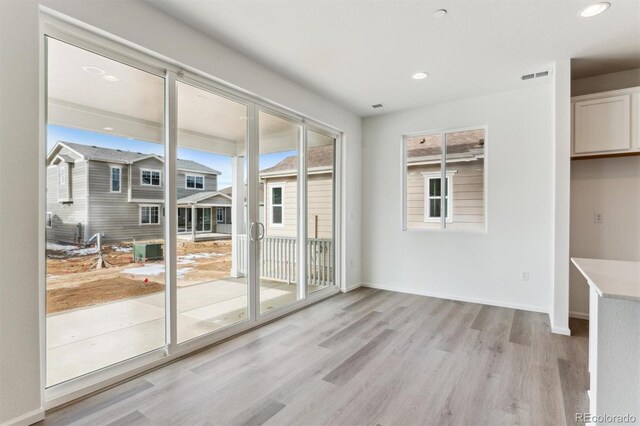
212	289
320	210
105	212
278	234
178	211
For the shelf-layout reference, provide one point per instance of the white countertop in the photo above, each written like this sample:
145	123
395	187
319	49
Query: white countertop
614	279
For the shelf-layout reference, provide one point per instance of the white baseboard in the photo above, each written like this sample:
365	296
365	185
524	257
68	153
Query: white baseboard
353	287
26	419
579	315
561	330
422	292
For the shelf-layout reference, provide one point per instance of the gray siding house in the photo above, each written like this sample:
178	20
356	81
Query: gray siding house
119	193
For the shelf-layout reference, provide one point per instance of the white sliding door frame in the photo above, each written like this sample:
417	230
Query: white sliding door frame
61	28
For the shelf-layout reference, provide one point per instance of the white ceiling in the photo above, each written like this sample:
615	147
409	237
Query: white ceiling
363	52
133	106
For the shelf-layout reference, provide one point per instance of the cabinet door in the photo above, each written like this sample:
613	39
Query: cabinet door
602	125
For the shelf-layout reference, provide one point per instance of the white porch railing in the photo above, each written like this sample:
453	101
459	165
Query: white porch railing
278	259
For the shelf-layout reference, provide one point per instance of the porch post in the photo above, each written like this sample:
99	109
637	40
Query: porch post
193	222
237	216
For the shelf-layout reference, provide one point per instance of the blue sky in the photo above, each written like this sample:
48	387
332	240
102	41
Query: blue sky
221	163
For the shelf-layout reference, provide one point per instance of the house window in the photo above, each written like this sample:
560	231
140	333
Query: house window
49	220
444	180
220	215
62	174
116	177
194	182
150	177
433	197
277	205
149	215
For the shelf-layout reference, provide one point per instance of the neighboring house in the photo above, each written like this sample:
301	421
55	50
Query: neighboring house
464	182
280	194
121	194
229	191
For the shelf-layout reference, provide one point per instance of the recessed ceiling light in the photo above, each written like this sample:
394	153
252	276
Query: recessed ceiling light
420	75
108	129
594	9
111	78
440	13
93	70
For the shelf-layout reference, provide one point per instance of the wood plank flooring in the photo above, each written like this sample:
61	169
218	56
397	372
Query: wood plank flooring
368	357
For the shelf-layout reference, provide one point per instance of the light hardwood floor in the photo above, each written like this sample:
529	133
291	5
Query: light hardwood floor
365	358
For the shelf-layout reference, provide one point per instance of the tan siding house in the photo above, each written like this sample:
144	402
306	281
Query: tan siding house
281	193
468	195
465	209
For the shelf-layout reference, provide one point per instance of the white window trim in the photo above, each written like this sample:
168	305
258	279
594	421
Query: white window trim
63	174
186	177
438	175
140	214
224	214
49	220
151	184
271	205
210	229
111	167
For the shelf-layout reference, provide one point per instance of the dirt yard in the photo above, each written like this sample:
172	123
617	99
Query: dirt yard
73	282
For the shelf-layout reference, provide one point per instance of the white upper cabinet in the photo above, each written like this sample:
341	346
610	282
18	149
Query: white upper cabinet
605	123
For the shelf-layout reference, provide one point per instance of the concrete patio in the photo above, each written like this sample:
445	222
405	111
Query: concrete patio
87	339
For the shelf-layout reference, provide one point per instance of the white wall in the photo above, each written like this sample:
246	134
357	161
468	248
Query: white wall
482	267
19	336
610	186
561	107
606	82
141	24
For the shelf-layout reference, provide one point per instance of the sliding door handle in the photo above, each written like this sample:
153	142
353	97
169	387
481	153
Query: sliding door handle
251	234
261	234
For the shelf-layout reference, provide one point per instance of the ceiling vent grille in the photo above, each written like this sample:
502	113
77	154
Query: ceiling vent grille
535	75
376	106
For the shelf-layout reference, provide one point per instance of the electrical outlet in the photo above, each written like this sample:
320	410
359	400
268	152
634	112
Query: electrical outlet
524	276
597	218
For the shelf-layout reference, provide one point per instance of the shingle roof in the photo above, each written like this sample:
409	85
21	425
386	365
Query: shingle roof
67	158
229	191
195	198
419	146
98	153
195	167
457	143
317	157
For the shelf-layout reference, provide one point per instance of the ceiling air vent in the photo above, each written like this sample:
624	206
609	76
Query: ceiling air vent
535	75
376	106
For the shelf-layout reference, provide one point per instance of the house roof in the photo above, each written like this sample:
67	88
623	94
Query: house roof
97	153
196	198
229	191
458	143
67	158
318	157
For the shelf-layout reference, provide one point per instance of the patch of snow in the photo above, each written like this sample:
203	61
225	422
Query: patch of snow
71	250
153	269
83	252
121	249
199	256
60	247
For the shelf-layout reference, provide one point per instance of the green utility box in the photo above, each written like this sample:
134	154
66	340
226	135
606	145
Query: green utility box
147	251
